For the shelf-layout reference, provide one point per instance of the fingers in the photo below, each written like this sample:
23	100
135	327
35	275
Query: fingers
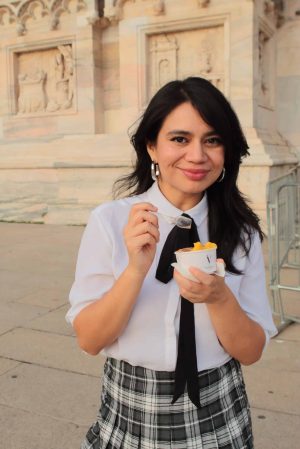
143	212
220	268
142	226
202	277
208	288
146	227
145	239
186	285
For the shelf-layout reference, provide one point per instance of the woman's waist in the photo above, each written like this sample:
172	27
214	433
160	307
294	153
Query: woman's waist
162	358
123	382
120	370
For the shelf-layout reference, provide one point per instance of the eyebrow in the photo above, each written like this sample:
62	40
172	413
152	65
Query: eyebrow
188	133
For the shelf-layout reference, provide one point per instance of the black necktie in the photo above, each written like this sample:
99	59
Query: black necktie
186	367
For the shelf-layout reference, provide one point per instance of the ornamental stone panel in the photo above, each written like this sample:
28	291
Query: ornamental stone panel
76	74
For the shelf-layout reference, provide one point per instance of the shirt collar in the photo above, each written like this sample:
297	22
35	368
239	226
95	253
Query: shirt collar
198	212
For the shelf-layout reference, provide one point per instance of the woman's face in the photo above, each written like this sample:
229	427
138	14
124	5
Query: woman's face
190	155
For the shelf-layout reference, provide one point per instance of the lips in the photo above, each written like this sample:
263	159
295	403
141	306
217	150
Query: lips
194	174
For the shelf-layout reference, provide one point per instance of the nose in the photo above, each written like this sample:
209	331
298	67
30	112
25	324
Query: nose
196	153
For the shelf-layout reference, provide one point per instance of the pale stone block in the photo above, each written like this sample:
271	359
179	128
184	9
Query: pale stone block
266	389
13	315
288	64
23	430
7	365
273	430
58	394
113	120
50	299
20	234
291	333
71	215
53	321
49	350
77	151
283	350
288	113
217	38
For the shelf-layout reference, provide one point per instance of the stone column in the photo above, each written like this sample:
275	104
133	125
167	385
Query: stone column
270	153
288	75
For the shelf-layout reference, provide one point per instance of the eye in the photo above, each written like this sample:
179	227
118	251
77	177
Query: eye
179	139
213	141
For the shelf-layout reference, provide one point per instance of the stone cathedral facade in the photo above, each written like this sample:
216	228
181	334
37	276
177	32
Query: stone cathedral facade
76	74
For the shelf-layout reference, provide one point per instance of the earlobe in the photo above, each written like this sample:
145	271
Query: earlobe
151	151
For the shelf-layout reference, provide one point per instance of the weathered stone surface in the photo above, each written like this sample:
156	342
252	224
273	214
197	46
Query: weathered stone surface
66	102
273	430
53	321
7	365
23	430
54	368
288	353
51	299
291	333
55	393
13	315
49	350
267	390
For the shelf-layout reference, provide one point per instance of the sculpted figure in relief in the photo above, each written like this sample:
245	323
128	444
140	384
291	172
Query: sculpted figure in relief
164	71
113	9
262	39
31	92
63	79
203	3
205	63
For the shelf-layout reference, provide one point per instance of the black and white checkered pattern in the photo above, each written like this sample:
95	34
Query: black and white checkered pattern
136	411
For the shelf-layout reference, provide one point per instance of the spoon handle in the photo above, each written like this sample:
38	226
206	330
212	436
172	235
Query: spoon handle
180	221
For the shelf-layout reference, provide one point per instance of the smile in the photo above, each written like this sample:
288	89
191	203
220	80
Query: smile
194	174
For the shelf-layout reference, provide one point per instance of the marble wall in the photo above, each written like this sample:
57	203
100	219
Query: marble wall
76	74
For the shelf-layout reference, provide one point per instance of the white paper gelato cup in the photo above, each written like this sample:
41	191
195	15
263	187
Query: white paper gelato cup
204	259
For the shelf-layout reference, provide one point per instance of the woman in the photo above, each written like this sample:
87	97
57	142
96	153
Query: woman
189	147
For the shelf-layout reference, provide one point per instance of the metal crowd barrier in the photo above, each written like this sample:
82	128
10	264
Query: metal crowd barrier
283	217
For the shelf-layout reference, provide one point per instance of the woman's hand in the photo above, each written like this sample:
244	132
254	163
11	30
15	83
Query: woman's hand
239	335
141	235
209	288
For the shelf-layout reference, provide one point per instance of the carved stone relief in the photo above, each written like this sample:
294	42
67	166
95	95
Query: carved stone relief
45	80
196	52
113	10
264	69
7	15
21	13
273	9
158	7
32	96
163	60
203	3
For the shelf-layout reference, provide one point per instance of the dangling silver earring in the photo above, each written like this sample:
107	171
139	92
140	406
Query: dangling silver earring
154	171
222	175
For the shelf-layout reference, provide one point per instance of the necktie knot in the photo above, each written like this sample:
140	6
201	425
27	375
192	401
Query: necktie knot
178	238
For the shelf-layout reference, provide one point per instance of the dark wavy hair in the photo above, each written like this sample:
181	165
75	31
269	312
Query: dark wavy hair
231	221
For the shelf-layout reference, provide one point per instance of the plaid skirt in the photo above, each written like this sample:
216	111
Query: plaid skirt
136	410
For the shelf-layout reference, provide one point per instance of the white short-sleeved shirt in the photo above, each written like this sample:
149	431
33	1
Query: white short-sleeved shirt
151	335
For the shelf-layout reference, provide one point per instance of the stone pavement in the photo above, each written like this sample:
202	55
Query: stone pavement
49	389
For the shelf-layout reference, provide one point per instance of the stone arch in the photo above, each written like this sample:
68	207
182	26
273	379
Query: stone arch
26	11
5	9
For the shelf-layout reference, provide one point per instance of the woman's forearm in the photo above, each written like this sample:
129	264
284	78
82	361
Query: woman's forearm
100	323
240	336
